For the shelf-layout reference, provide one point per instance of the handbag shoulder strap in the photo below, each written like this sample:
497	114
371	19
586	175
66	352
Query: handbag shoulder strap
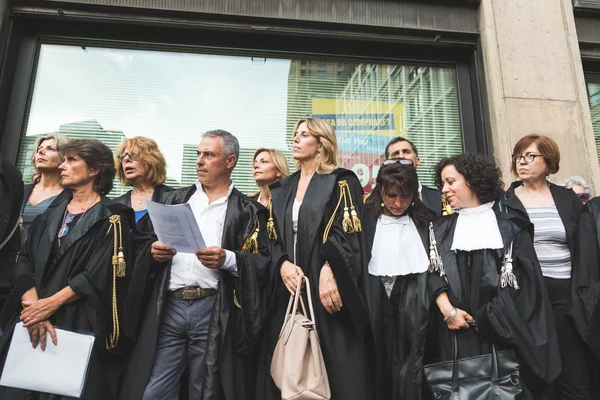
10	235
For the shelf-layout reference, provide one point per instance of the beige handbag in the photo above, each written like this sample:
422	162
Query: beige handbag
298	368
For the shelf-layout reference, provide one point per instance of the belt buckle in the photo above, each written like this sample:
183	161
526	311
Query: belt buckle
186	294
192	293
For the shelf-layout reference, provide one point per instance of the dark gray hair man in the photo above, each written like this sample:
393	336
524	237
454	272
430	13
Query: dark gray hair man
401	147
190	289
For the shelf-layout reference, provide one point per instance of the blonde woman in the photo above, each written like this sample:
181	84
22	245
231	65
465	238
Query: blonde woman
270	166
45	183
319	210
141	164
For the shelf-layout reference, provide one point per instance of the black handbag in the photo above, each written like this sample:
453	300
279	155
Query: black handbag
491	376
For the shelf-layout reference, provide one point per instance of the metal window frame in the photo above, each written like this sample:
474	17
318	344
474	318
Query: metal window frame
374	46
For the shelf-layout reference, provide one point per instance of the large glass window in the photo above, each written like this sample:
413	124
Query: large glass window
109	94
593	87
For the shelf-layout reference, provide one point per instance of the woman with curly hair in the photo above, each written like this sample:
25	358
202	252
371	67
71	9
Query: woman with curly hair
480	297
554	211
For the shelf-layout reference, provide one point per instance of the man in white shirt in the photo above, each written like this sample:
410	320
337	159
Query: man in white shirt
224	282
401	147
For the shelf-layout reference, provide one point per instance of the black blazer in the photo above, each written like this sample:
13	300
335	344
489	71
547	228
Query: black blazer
156	196
432	199
567	203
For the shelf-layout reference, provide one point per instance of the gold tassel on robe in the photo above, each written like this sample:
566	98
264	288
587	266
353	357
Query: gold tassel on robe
251	243
446	209
350	220
119	271
270	223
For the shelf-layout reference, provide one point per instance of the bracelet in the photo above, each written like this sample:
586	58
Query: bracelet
451	316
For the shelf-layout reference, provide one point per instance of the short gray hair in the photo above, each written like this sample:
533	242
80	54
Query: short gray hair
230	143
577	180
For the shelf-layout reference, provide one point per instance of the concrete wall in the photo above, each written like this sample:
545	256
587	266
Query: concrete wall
535	82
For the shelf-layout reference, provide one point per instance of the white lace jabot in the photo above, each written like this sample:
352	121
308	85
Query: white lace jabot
397	248
477	229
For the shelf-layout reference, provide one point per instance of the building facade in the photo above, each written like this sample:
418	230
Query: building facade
450	75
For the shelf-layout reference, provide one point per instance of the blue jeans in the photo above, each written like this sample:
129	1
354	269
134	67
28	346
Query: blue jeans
181	343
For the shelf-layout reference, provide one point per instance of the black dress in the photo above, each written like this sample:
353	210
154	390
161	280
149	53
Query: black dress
517	319
83	261
345	337
401	326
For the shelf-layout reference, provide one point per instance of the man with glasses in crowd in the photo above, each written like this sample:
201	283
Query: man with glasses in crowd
400	147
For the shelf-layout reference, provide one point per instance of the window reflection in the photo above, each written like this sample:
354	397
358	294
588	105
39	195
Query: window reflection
173	98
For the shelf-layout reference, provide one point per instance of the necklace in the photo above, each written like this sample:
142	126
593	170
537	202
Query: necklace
65	227
143	196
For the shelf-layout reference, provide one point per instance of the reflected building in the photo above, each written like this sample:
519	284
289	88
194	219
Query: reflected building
429	103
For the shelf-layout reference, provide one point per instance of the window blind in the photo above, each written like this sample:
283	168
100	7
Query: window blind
109	94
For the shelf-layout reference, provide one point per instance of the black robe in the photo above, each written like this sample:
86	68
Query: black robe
584	310
432	198
345	337
234	332
401	327
517	319
83	262
11	195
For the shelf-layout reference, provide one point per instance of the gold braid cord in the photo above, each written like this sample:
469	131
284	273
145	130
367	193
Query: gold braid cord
119	270
270	223
350	221
251	244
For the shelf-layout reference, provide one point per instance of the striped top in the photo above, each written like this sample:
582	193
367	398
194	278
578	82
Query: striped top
550	242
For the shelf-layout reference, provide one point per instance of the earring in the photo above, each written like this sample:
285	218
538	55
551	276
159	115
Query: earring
382	205
412	204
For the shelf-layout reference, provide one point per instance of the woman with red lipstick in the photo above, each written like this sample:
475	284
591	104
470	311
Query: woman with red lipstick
485	278
554	212
270	166
396	233
141	164
46	185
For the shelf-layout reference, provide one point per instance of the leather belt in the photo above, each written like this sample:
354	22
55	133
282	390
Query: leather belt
192	293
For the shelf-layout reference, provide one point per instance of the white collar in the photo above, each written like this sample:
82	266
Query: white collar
389	220
200	190
477	229
388	257
476	210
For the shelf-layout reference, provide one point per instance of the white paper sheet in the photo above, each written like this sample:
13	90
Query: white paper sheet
60	370
176	226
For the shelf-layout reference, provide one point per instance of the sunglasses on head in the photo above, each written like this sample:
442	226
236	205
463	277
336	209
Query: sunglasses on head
403	161
584	196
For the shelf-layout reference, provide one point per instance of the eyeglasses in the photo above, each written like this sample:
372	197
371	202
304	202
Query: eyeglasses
528	158
584	196
132	157
64	229
403	161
